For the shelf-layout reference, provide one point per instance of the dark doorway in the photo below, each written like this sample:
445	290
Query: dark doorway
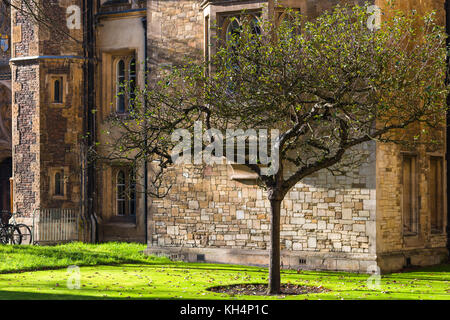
5	191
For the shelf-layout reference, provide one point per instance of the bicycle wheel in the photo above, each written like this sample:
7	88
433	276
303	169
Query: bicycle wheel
14	235
25	232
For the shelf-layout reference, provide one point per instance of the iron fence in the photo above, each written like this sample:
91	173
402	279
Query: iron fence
55	225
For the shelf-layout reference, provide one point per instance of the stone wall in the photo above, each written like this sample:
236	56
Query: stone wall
26	135
175	31
5	122
339	223
322	217
25	112
46	134
325	219
61	128
120	34
395	249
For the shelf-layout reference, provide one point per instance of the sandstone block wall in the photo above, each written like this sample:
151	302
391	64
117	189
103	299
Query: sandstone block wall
322	214
175	31
357	218
394	248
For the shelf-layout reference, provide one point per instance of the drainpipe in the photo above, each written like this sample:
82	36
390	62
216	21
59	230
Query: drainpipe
84	175
89	116
447	28
144	24
92	120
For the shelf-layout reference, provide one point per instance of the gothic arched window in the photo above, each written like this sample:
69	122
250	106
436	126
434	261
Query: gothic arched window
233	29
232	25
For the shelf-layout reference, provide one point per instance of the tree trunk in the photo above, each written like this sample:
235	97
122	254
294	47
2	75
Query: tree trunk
274	263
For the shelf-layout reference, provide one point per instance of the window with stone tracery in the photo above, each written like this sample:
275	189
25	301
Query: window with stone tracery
125	84
230	24
125	185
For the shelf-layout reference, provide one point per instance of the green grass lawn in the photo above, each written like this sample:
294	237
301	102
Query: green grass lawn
120	271
29	258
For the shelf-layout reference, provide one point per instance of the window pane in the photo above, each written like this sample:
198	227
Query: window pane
120	86
207	42
436	194
132	71
57	91
132	81
121	178
121	207
256	27
233	29
121	194
409	195
132	193
59	184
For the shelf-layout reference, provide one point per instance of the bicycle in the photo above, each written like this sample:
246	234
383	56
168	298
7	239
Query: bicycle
25	231
9	233
13	232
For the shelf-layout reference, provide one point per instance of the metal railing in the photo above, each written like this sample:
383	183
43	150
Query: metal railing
55	225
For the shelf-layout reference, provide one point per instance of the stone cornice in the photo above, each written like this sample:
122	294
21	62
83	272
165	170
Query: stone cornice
205	3
30	58
130	12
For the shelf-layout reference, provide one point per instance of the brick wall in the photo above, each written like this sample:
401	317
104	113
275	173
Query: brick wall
26	149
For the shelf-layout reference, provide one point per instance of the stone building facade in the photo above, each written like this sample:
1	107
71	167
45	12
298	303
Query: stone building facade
5	108
47	83
214	214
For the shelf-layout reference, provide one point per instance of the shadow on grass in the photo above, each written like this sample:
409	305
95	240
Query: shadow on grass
444	268
26	258
14	295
